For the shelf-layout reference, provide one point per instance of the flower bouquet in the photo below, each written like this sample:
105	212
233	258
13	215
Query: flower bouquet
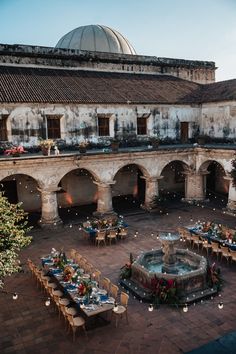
68	273
85	288
15	151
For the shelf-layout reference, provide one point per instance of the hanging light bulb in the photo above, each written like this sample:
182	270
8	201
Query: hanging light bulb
220	305
48	302
185	308
150	308
15	296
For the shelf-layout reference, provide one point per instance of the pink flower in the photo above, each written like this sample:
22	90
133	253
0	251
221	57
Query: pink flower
15	150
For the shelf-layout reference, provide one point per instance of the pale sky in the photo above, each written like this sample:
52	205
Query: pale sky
185	29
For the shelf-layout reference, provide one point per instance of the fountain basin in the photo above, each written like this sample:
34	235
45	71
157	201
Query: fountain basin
190	278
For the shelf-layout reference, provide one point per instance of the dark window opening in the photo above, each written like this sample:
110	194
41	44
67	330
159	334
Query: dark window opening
103	126
54	127
142	126
3	128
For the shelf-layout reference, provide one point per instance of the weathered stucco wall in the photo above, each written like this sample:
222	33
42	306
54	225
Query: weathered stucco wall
27	123
219	119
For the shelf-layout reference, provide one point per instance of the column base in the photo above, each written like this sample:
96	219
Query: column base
194	201
50	224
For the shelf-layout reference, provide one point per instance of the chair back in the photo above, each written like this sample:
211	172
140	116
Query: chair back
106	284
114	291
124	298
101	235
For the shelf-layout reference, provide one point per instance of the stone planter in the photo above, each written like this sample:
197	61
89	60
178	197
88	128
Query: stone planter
115	145
45	151
82	149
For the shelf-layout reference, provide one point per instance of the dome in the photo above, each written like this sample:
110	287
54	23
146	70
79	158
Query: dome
96	38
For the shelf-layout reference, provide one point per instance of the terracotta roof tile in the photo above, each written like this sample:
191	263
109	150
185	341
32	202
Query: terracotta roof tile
21	84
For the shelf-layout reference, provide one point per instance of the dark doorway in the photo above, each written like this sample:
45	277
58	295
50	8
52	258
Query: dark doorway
10	191
184	132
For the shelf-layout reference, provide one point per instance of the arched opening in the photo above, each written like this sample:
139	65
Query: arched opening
172	185
217	187
128	193
78	194
23	188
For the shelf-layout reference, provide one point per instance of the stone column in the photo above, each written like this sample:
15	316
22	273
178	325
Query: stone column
104	202
49	217
231	205
151	190
195	186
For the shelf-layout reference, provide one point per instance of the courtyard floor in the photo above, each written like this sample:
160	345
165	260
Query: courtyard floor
28	326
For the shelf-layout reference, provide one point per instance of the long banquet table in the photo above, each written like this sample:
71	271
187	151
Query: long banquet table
99	301
211	237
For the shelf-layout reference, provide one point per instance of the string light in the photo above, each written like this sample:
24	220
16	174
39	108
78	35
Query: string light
220	305
150	308
15	296
48	302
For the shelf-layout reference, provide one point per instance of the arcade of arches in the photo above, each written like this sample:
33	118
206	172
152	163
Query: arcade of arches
47	183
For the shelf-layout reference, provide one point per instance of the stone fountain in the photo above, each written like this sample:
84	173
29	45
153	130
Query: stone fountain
188	269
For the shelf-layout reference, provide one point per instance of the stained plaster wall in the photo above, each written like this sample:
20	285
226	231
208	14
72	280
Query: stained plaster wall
219	119
27	123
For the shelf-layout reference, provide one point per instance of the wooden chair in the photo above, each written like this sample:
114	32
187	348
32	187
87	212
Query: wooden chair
97	275
206	246
100	238
72	253
216	249
112	235
123	233
114	291
106	283
225	252
196	241
122	308
233	255
75	323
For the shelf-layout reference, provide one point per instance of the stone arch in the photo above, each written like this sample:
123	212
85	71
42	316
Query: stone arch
130	185
173	179
141	167
77	188
216	184
21	187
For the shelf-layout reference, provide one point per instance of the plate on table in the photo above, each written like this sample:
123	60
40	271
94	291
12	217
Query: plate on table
102	292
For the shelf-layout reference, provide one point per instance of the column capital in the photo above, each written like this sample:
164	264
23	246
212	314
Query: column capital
104	184
151	178
48	189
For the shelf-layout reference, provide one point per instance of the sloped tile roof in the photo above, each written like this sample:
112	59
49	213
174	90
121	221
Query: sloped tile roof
21	84
219	91
36	85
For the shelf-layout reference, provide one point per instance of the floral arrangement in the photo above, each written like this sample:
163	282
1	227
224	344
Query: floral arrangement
47	143
60	260
15	150
68	273
164	291
126	270
83	144
214	278
85	287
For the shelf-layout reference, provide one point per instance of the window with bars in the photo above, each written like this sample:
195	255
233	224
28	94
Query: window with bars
3	127
103	126
54	127
142	126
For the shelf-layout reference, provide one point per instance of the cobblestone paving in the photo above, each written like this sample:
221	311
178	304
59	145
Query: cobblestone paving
28	326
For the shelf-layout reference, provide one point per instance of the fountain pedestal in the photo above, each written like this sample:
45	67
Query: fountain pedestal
168	241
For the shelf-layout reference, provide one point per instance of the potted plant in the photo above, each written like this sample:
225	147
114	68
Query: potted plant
15	151
155	141
83	146
202	139
46	146
115	144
